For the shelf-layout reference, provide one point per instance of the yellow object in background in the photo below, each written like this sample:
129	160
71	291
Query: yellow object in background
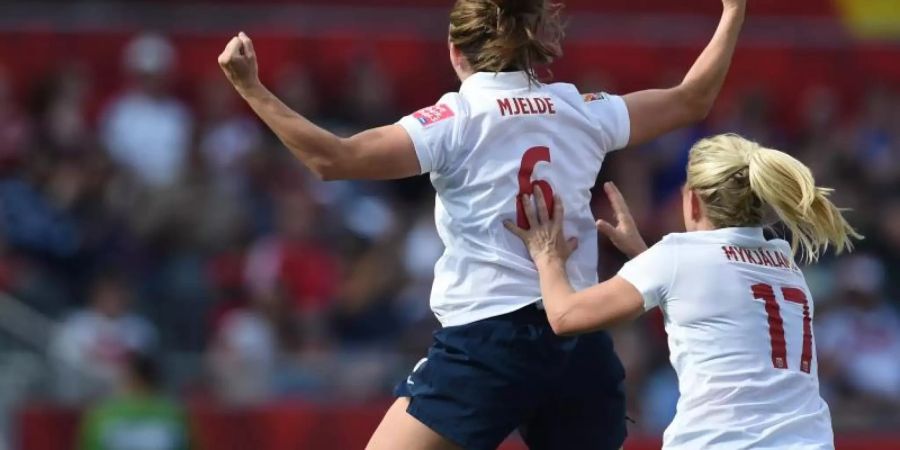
871	18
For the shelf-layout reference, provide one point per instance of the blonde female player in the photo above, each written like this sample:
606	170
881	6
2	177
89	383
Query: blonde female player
496	365
737	309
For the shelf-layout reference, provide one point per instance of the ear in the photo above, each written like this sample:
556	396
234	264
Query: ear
696	207
456	55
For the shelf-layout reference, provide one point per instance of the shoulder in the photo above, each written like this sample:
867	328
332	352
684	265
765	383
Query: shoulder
692	238
590	98
562	89
673	240
662	252
661	258
782	245
692	247
450	105
435	131
652	272
449	111
607	112
571	94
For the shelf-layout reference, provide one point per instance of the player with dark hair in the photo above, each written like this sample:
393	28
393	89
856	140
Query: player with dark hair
496	364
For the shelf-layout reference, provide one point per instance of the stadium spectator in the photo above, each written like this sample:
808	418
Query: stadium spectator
368	98
14	125
889	248
227	135
138	417
60	105
245	349
859	340
293	256
90	348
296	88
421	249
364	313
146	129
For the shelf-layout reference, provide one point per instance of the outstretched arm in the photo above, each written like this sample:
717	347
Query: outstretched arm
659	111
598	307
380	153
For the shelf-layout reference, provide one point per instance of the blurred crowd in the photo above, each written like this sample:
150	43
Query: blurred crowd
172	225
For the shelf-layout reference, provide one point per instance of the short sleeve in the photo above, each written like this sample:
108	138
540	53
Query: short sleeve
652	273
433	131
610	114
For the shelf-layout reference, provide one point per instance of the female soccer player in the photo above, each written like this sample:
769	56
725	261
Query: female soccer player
496	365
737	309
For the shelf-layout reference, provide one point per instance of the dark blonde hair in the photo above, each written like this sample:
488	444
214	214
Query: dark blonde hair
737	179
507	35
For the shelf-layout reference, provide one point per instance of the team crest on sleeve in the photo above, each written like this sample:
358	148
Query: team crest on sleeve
433	114
593	97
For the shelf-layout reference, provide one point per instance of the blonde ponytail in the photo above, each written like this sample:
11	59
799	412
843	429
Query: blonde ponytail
788	186
736	178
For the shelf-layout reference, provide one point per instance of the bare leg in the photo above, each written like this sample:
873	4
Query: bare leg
401	431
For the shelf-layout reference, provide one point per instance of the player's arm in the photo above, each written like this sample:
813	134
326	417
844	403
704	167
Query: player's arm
601	306
659	111
380	153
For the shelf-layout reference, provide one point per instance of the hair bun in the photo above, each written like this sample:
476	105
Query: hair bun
507	35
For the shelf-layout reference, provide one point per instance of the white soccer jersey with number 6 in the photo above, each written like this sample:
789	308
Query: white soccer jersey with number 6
738	315
498	137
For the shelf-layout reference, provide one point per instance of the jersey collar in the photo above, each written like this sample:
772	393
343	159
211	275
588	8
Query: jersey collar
497	81
744	234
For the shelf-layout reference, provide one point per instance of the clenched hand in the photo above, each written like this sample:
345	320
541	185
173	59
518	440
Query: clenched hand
238	61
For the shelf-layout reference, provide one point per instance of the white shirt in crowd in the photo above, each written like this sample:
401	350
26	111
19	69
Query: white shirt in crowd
738	315
91	348
865	347
149	136
485	145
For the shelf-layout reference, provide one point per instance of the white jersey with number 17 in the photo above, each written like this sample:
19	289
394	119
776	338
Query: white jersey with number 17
739	317
501	136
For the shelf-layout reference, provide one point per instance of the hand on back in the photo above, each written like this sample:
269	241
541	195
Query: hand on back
544	234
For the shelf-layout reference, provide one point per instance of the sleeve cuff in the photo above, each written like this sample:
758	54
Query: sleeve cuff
623	133
414	130
647	292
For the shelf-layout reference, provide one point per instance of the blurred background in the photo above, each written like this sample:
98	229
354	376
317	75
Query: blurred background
172	279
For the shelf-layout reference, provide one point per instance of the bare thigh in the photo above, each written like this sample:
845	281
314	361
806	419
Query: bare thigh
400	431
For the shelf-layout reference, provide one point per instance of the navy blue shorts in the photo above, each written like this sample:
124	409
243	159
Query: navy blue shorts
483	380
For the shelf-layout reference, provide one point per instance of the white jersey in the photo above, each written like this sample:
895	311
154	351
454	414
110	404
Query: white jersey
738	314
483	146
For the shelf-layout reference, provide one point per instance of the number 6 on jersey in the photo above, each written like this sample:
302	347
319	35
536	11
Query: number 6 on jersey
530	159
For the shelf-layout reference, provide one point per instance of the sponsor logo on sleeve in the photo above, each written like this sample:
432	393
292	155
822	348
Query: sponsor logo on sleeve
593	97
433	114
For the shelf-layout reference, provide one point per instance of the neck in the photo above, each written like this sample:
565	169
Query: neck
705	225
464	74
